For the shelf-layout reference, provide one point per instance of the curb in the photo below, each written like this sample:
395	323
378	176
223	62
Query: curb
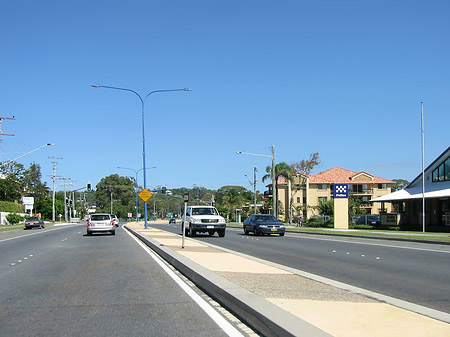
258	313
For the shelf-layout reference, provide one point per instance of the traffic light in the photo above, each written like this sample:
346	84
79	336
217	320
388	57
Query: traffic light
89	187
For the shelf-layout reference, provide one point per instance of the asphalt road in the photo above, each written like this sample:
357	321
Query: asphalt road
414	272
60	282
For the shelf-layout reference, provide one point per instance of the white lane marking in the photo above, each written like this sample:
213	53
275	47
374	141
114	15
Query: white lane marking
26	235
210	311
374	244
63	239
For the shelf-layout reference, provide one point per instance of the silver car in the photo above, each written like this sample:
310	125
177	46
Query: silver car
101	222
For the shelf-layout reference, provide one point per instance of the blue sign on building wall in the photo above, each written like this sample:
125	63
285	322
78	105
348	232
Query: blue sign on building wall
341	190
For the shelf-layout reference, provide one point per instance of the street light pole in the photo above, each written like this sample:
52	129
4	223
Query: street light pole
142	100
23	155
274	192
136	188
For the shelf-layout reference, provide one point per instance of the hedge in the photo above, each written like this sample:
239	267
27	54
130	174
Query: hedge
6	206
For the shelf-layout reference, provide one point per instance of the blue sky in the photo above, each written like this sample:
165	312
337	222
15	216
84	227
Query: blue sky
342	78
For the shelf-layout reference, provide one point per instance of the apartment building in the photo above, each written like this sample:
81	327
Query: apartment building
307	190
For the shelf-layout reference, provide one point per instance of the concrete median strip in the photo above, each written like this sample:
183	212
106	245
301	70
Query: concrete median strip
280	302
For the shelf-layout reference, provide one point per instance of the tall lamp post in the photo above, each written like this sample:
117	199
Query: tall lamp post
143	129
136	172
25	154
274	192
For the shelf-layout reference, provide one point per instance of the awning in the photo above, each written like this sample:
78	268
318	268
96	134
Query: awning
414	193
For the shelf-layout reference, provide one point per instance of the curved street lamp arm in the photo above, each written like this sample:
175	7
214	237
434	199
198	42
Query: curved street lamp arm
166	90
123	89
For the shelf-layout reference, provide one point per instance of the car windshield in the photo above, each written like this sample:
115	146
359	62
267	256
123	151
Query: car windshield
265	218
33	218
204	211
98	217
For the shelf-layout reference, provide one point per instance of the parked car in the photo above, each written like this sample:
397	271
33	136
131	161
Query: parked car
172	220
101	222
34	221
369	220
116	219
204	219
263	224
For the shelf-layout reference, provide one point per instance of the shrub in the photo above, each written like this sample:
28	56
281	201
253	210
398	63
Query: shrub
14	218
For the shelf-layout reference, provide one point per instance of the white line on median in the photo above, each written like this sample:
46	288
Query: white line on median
215	316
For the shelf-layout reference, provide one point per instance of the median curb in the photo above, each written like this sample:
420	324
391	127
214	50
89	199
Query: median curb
260	314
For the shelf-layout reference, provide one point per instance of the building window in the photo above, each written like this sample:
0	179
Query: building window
298	200
382	186
357	188
322	199
322	186
442	172
447	169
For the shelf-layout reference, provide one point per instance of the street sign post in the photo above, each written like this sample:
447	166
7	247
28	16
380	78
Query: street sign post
183	228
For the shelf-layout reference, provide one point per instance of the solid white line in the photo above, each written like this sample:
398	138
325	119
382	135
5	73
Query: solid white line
370	244
210	311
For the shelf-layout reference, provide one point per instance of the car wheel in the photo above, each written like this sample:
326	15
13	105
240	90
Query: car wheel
281	234
211	233
113	232
192	231
88	233
257	232
246	231
221	233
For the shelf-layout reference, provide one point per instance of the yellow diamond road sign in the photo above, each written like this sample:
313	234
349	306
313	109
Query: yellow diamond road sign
145	194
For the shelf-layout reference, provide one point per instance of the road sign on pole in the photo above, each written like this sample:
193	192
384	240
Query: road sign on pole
145	194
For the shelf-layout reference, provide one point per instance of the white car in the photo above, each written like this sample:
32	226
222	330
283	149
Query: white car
204	219
116	219
101	222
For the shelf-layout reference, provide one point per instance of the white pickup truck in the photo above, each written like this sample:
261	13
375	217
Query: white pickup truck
204	219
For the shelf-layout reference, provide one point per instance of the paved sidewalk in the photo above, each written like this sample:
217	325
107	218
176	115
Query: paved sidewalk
284	298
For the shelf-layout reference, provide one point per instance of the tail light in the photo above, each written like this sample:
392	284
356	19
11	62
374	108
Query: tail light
112	222
89	223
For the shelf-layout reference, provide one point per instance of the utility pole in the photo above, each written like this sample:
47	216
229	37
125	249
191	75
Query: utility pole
1	132
54	185
254	187
65	203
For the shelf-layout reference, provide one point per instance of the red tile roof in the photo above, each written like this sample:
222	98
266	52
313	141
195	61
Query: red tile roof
337	175
343	176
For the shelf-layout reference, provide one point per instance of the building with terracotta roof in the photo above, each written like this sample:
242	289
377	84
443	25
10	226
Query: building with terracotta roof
308	190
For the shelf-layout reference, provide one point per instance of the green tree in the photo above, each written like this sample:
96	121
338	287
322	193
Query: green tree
33	186
326	207
121	190
282	169
306	166
399	184
11	183
229	198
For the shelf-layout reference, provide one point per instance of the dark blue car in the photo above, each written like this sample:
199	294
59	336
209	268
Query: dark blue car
261	224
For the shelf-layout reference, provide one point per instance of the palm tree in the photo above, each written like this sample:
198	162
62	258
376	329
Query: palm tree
281	170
